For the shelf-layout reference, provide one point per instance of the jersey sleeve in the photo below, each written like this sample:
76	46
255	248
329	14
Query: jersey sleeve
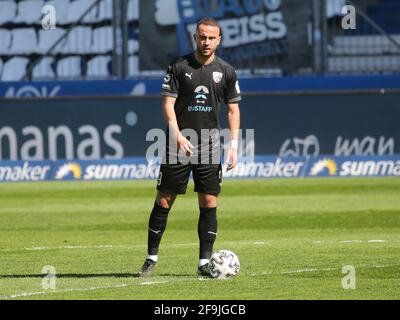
170	86
232	90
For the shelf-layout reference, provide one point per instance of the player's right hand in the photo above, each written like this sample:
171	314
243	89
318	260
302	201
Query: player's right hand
185	145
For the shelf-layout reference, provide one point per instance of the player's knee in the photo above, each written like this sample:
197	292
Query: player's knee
165	200
207	201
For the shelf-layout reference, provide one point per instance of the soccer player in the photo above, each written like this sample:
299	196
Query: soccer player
193	89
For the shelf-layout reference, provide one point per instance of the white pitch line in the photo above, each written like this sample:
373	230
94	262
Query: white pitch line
124	285
73	247
117	286
110	246
351	241
153	282
331	269
176	245
29	294
299	271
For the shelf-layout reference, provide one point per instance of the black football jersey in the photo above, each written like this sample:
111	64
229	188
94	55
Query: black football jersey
199	90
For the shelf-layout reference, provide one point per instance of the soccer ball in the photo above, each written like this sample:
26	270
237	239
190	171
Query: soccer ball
224	264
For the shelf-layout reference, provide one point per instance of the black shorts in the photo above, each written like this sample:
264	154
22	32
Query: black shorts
173	178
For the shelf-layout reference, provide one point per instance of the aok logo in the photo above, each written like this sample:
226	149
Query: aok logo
32	92
322	166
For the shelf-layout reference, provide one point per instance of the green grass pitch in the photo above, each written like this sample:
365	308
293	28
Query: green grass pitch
293	238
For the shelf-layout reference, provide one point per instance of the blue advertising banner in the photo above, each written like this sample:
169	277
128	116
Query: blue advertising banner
123	127
265	167
52	89
355	166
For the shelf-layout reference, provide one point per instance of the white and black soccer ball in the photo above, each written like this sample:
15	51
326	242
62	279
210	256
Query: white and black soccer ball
224	264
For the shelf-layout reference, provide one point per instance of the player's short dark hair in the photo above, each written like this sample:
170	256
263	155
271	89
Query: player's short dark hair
209	22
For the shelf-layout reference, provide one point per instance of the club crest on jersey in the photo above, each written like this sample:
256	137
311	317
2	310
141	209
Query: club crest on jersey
217	77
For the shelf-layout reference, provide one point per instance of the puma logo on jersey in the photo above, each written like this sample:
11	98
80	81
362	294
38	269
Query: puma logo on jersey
189	75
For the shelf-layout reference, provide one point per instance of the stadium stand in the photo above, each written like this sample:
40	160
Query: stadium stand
85	52
29	11
373	47
77	8
48	38
133	66
24	41
91	41
5	43
99	66
45	70
105	11
102	40
14	69
69	67
385	13
8	10
79	41
133	12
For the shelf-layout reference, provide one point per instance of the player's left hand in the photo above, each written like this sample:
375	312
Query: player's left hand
232	159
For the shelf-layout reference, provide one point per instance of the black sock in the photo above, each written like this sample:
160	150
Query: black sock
207	230
157	225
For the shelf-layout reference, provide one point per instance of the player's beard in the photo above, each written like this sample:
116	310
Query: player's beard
201	52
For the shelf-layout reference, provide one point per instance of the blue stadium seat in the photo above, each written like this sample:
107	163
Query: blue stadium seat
133	46
363	64
77	8
334	7
8	10
47	38
24	41
99	66
14	69
44	70
61	7
29	12
5	43
105	11
79	41
69	67
133	66
363	45
103	40
133	10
